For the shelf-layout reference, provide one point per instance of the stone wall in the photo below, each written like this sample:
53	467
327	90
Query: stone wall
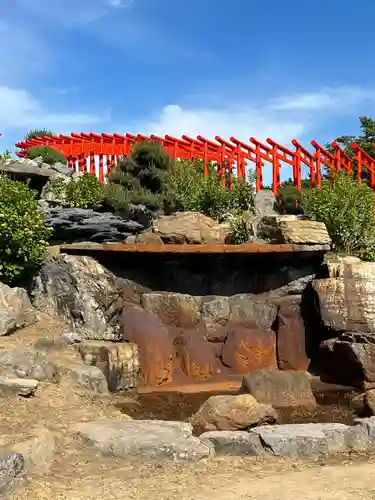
194	318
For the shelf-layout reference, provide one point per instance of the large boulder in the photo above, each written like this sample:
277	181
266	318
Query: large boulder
291	339
294	229
146	439
83	292
231	413
16	310
280	389
195	355
118	361
190	227
156	350
346	302
176	309
73	225
245	309
249	349
349	359
214	317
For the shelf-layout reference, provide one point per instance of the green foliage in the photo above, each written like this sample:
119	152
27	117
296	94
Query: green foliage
23	235
188	190
49	155
145	167
38	132
365	140
139	178
347	209
289	198
84	192
239	228
6	155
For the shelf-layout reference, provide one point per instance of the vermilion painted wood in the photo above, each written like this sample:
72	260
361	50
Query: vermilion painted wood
81	149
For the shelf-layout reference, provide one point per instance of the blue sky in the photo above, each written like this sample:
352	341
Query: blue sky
285	69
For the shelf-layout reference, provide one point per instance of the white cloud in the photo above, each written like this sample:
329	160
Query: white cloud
19	110
282	118
241	122
330	99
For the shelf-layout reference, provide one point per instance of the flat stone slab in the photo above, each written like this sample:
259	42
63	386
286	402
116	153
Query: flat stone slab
153	439
293	440
18	386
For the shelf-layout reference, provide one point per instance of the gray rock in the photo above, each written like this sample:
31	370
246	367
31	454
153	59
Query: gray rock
90	378
11	470
29	363
234	443
265	202
18	386
349	359
78	224
280	388
15	309
152	439
247	310
81	291
62	169
309	440
118	361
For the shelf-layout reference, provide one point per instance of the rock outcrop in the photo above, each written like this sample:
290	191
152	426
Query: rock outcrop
232	413
84	293
190	227
74	225
15	309
280	388
151	439
119	362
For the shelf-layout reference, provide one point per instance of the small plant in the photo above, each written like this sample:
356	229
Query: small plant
239	228
23	234
6	155
84	192
49	155
347	209
38	132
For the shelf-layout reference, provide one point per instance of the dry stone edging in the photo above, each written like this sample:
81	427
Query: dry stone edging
11	470
313	441
18	386
152	439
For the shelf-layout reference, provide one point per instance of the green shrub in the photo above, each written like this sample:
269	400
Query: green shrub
84	192
38	132
49	155
23	235
145	167
347	209
187	189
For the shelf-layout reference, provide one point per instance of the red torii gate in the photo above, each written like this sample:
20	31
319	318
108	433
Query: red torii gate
81	149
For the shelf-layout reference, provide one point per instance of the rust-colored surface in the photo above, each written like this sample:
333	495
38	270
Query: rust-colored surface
246	248
195	355
156	350
249	349
232	384
291	341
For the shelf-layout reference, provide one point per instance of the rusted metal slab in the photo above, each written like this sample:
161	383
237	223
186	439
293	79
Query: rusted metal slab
246	248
